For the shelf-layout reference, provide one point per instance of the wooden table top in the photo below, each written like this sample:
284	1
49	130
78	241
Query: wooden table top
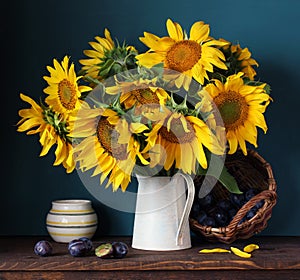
279	256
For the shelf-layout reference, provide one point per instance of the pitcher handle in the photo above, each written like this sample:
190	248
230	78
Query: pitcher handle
187	208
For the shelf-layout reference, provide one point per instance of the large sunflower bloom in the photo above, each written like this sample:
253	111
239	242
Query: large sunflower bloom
193	56
104	149
180	140
241	107
63	91
52	130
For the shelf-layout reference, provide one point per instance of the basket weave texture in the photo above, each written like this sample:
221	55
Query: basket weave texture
250	171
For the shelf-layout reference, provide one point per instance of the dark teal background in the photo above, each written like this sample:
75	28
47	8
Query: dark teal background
35	32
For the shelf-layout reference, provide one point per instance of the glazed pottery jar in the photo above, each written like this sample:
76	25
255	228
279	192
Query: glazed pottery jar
71	219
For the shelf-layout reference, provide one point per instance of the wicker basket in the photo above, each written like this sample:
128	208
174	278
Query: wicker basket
250	171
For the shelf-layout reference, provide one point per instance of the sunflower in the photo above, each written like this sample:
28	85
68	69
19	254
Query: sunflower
52	129
107	146
239	60
241	107
246	61
193	56
107	59
180	140
140	94
63	91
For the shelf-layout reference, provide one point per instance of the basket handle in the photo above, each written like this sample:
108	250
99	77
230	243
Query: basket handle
267	195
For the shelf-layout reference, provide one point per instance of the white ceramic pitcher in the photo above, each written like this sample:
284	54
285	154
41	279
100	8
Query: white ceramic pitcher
162	213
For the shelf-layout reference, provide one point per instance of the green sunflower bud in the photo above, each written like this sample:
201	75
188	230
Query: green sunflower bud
117	60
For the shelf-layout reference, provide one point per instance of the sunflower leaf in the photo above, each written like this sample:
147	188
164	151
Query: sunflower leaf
218	172
229	182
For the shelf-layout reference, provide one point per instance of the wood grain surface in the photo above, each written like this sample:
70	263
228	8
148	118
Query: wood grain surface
277	257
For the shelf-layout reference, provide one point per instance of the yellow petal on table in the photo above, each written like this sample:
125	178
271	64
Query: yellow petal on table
240	253
250	248
214	250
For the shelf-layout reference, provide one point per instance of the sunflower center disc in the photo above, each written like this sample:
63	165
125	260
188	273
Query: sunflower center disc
108	138
145	96
233	108
177	134
67	94
183	55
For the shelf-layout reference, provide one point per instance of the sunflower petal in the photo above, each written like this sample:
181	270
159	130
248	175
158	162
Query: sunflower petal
174	30
199	31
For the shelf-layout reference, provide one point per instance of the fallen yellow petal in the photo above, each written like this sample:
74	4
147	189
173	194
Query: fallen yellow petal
240	253
215	250
250	248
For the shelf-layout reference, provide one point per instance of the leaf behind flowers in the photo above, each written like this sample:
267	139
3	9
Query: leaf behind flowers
218	171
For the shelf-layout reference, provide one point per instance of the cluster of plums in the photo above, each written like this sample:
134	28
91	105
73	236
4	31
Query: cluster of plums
84	247
209	212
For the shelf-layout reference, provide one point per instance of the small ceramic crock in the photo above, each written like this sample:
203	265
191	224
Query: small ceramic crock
71	219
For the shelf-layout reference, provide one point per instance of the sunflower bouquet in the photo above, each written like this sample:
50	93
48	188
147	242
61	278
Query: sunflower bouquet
169	109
